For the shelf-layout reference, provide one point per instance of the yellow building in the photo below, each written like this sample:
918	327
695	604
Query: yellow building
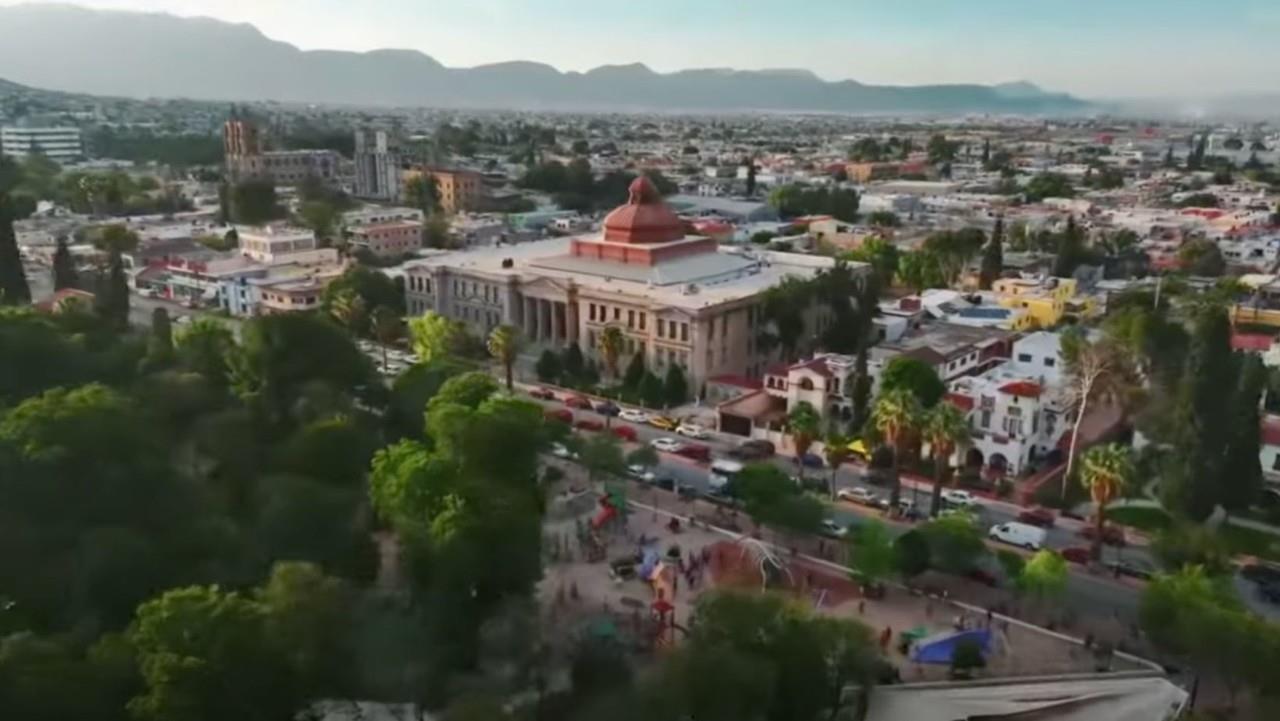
1044	301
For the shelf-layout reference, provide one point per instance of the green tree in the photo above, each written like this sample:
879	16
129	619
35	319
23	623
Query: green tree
634	374
387	327
1106	471
13	279
436	233
675	387
1204	417
1048	185
652	392
204	347
953	250
993	256
422	192
434	336
644	456
803	426
160	343
612	341
504	346
549	367
896	416
1044	576
1202	257
941	150
955	542
601	455
913	376
871	553
373	287
911	554
307	618
254	202
946	430
920	270
111	301
884	219
466	389
1242	477
835	451
321	218
1097	371
64	267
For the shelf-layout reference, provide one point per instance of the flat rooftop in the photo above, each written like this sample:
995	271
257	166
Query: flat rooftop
691	282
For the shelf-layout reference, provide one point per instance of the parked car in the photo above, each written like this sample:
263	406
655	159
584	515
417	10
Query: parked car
634	416
625	433
559	414
752	450
957	497
810	460
692	430
640	473
559	450
695	452
577	402
833	529
1111	535
860	496
542	394
1018	534
588	424
983	576
1076	554
1132	568
608	408
666	445
664	423
666	483
1041	517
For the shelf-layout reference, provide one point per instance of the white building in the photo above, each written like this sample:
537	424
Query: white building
61	145
265	243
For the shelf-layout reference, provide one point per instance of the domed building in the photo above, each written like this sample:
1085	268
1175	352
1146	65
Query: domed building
678	297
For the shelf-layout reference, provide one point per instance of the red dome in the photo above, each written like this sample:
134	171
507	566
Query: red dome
644	219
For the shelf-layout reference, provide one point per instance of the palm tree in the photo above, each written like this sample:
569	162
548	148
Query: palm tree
387	328
896	416
835	450
504	345
349	309
1106	471
946	429
802	424
611	343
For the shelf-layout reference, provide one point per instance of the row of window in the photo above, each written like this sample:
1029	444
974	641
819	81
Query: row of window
1049	361
420	283
489	292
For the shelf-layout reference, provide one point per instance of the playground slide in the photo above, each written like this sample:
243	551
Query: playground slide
606	513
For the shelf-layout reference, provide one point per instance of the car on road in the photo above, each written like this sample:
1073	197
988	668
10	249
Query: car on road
664	423
559	414
957	497
560	450
860	496
666	483
148	292
695	452
578	402
1076	554
833	529
1018	534
1111	535
810	460
542	394
640	473
633	416
1041	517
752	450
608	408
1132	568
624	433
589	424
692	430
666	445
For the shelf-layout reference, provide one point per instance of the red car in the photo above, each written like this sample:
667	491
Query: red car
586	424
558	414
625	433
1111	535
1042	517
695	452
578	402
1076	554
542	394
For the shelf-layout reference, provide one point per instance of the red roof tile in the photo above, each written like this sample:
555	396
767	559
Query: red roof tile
1022	389
961	401
1250	341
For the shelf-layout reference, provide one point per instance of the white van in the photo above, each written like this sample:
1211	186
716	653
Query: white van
1018	534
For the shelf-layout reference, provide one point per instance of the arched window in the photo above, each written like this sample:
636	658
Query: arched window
806	384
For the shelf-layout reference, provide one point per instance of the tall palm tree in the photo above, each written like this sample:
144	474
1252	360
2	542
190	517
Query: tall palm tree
611	343
896	416
946	429
349	309
504	345
835	450
387	328
803	425
1106	471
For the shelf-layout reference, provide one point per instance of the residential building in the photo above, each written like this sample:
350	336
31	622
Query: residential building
457	190
378	215
736	211
825	382
978	310
377	164
678	299
388	240
61	145
867	172
266	243
1047	301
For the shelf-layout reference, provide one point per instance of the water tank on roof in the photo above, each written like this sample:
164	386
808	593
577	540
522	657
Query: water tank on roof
508	263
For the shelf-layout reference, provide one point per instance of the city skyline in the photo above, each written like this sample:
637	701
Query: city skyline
1134	49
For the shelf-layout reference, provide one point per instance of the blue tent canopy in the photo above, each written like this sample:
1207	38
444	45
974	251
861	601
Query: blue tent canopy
940	647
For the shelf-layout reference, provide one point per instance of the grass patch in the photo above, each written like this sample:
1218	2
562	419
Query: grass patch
1151	520
1250	542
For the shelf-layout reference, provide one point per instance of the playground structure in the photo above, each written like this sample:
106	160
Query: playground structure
611	515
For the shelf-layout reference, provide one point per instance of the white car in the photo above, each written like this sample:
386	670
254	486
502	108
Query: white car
833	529
861	496
957	497
640	473
666	445
1018	534
692	430
632	415
904	504
559	450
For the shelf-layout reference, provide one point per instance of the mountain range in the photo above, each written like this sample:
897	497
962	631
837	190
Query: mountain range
75	49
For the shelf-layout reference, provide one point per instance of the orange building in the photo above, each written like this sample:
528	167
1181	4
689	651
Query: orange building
458	189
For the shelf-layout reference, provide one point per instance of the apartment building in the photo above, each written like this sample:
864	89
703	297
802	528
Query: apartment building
61	145
388	240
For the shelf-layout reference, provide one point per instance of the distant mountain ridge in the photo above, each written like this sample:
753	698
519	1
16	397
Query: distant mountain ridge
129	54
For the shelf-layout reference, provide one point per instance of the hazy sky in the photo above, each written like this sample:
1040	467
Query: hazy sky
1099	48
